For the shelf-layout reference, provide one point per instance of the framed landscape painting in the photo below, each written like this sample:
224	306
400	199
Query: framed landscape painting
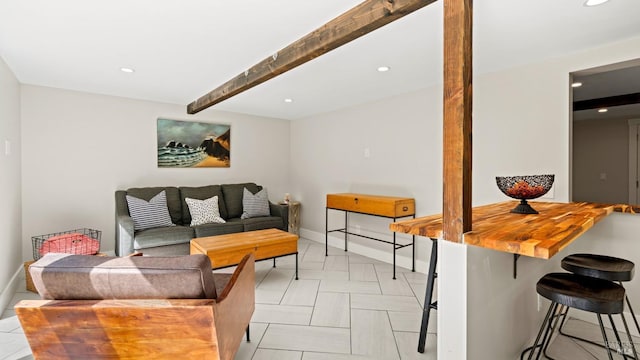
187	144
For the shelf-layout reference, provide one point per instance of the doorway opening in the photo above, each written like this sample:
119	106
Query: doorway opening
604	133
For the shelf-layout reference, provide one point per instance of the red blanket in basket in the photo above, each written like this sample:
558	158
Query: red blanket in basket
73	243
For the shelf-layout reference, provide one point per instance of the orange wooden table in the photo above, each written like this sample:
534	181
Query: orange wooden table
227	250
376	205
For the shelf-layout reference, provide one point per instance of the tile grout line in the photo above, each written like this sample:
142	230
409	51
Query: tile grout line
393	333
584	348
350	327
260	341
315	302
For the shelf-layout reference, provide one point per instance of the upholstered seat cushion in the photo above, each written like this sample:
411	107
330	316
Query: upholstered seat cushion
265	222
162	237
86	277
219	229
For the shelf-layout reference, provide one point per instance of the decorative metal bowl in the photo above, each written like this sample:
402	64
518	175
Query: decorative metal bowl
524	188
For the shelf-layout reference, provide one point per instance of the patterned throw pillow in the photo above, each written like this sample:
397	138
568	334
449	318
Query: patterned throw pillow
204	211
255	205
149	214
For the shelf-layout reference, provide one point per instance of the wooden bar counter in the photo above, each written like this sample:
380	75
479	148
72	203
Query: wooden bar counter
537	235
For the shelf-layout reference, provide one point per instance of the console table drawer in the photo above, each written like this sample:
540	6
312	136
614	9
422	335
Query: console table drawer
387	206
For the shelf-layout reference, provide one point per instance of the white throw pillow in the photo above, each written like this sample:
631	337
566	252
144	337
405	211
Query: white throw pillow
149	214
255	205
204	211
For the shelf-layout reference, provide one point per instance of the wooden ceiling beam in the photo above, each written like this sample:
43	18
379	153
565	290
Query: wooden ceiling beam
456	202
618	100
360	20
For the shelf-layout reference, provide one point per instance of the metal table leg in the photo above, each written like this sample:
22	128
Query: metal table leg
326	232
346	228
413	255
394	256
428	305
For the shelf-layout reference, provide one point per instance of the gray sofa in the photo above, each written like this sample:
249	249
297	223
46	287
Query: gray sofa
174	240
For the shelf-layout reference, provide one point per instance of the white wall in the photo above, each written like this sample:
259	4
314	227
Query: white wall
601	147
521	127
403	135
10	212
79	148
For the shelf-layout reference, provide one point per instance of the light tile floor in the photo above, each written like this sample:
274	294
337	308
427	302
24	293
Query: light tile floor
343	307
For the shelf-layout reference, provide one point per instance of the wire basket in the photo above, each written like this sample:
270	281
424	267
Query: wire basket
79	242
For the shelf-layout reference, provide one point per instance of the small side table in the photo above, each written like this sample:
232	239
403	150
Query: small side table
294	217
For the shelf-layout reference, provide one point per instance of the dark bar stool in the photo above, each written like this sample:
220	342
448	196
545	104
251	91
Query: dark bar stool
601	267
581	292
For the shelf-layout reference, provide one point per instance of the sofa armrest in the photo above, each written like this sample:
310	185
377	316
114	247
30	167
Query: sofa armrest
124	235
281	211
124	226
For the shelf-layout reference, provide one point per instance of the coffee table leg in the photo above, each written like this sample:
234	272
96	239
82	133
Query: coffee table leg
274	262
394	255
296	266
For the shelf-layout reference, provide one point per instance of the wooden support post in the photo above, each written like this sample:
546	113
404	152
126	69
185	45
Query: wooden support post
361	20
458	15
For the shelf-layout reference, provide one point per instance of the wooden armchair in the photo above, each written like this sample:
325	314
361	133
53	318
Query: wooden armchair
137	308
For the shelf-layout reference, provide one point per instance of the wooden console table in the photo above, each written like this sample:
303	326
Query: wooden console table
375	205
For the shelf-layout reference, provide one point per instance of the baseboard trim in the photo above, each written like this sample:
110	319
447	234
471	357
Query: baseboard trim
10	290
377	254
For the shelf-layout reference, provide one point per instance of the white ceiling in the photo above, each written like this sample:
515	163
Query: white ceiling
183	49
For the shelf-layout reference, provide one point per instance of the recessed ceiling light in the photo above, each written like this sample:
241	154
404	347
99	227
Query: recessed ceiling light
287	100
384	68
603	110
127	70
576	84
595	2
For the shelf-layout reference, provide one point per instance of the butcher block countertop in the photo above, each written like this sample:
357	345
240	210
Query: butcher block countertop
537	235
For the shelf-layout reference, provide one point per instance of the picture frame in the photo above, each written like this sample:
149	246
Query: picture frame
189	144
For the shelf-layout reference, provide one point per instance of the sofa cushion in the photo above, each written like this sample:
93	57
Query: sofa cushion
260	223
254	205
173	199
149	214
229	227
233	197
201	193
162	236
204	211
86	277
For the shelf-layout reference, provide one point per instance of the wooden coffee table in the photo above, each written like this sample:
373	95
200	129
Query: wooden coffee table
227	250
